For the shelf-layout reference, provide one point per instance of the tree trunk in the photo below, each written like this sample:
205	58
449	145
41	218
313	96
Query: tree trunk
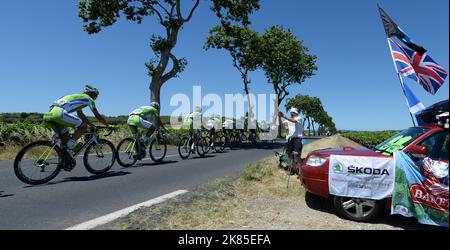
247	92
279	119
157	78
314	129
309	126
155	89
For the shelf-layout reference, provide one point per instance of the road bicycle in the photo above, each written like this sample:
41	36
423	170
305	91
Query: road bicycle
231	138
133	149
237	137
41	161
214	141
252	136
186	146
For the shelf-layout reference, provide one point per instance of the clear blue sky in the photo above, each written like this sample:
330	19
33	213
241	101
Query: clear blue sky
45	54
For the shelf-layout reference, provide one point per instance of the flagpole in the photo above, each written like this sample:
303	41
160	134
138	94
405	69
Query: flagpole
404	92
400	79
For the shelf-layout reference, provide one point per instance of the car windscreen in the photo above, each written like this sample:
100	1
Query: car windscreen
400	141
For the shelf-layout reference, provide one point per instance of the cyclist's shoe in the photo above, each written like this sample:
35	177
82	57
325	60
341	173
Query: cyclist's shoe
143	155
69	162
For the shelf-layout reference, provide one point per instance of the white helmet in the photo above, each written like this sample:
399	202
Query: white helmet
155	105
198	109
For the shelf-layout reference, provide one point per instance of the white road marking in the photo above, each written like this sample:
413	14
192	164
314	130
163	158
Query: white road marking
123	212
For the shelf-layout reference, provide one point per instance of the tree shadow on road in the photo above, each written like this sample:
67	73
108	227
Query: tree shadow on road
96	177
326	206
203	157
5	195
84	178
263	146
154	164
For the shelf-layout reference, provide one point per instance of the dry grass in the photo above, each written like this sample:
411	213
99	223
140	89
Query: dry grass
8	152
221	204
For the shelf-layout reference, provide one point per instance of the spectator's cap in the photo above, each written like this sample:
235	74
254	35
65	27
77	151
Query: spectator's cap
294	110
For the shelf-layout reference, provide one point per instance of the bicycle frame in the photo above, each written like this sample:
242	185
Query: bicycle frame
47	154
57	137
138	138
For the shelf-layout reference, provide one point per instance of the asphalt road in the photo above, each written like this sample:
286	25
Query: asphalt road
78	196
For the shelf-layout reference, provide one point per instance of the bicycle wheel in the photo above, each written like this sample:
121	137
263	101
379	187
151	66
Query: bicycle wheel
99	158
202	147
219	145
184	148
38	162
243	138
228	141
127	152
158	150
235	141
208	144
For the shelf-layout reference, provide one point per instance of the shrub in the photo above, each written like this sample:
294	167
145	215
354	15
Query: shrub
369	139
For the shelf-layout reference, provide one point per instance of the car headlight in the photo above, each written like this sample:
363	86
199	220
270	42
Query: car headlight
315	161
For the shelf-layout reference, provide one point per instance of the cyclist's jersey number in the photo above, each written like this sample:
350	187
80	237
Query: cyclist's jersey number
75	102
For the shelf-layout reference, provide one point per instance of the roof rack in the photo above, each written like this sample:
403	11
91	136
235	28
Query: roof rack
443	120
435	114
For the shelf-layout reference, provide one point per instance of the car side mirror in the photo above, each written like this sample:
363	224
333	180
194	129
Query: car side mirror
419	152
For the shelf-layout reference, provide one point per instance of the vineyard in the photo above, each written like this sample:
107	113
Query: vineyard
13	136
19	129
369	139
22	133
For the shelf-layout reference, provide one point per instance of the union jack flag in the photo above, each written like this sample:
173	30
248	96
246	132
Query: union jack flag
421	68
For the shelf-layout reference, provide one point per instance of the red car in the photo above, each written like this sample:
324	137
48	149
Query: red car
419	142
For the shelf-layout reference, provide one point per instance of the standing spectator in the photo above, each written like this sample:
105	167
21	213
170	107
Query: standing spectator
294	125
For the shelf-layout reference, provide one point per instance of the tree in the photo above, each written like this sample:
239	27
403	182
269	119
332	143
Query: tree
239	40
98	14
312	109
243	45
286	61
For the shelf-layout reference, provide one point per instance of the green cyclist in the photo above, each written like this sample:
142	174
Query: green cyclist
145	117
59	116
193	121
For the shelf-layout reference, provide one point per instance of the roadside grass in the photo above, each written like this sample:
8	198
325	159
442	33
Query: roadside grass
8	152
220	204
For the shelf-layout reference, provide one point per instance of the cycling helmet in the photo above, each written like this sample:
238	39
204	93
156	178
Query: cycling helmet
155	105
91	89
198	109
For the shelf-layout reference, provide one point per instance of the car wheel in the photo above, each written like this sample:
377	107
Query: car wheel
356	209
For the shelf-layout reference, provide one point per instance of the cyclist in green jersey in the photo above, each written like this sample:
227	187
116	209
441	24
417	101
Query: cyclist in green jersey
194	122
145	117
59	117
213	124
